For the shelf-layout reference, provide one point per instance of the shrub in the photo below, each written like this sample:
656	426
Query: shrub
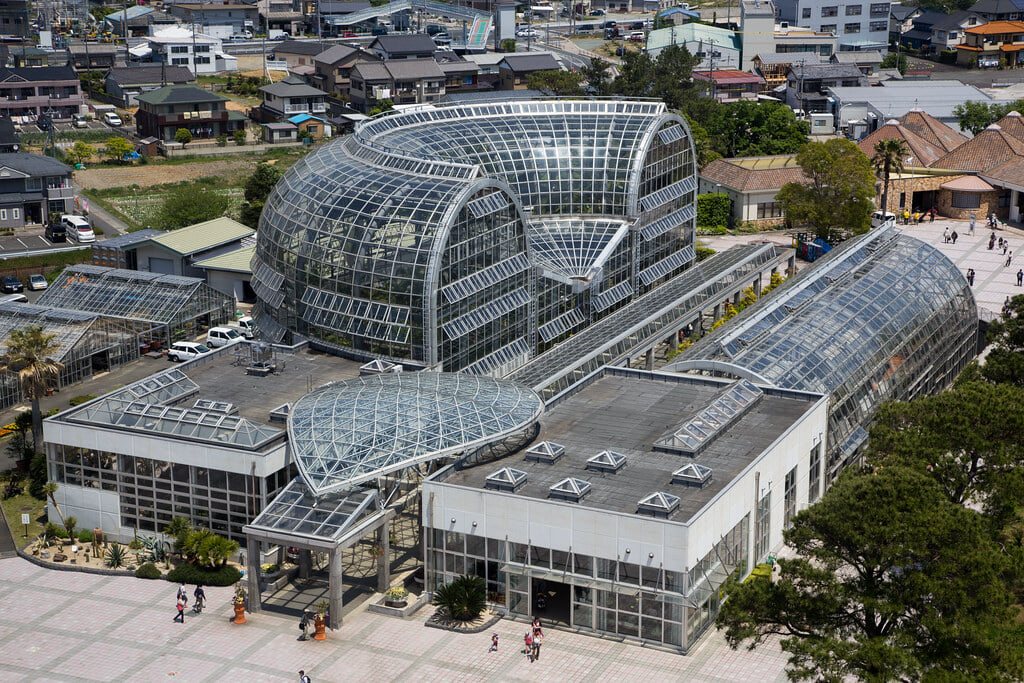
713	209
704	252
713	230
85	536
79	400
116	556
135	544
189	573
464	599
222	140
148	571
268	568
239	136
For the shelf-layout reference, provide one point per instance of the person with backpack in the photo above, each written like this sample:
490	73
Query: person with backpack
200	597
304	625
303	678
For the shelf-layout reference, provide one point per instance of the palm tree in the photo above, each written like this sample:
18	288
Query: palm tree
29	353
464	599
50	488
888	160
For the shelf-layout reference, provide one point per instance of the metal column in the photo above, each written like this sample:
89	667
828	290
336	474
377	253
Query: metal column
252	570
337	590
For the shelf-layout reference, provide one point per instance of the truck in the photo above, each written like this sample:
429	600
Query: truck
276	34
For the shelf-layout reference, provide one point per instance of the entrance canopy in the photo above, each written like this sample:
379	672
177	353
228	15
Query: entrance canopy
296	517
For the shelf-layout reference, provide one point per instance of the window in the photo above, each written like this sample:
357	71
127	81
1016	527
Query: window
903	199
966	200
879	9
769	210
853	10
851	28
202	48
764	518
180	61
828	28
15	214
883	26
790	499
806	13
33	184
830	11
814	477
202	60
179	49
3	214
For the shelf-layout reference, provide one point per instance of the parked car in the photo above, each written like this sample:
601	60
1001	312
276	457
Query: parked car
637	36
78	228
180	351
56	232
597	13
526	33
112	119
880	217
12	285
246	327
37	282
222	336
79	121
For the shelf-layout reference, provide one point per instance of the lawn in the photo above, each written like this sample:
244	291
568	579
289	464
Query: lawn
16	506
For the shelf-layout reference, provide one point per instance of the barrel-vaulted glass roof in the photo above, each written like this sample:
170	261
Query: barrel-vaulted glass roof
353	431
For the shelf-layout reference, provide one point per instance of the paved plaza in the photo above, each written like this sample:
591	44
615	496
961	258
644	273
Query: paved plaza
69	626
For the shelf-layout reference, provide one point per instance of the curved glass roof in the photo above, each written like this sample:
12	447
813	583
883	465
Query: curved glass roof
575	248
353	431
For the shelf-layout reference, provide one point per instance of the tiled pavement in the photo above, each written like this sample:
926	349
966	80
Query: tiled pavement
66	626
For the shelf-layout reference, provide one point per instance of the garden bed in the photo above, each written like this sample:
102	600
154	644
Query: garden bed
439	619
412	604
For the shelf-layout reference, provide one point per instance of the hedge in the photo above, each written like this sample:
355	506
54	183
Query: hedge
148	571
189	573
713	209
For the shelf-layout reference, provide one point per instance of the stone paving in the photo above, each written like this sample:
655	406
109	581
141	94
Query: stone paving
68	626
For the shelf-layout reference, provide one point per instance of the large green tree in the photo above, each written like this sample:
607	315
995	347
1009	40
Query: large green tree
890	581
751	129
665	77
556	82
29	354
977	116
1004	363
888	160
190	204
838	196
968	439
257	189
597	76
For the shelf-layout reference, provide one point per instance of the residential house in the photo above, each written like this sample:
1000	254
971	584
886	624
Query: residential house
30	55
93	56
203	113
858	25
178	47
901	20
283	15
14	19
290	96
992	44
316	127
460	75
949	32
31	188
999	10
488	76
127	82
408	46
26	93
807	84
403	81
868	61
280	131
333	67
919	37
730	85
717	48
9	140
238	15
773	67
752	184
175	252
515	69
297	52
334	19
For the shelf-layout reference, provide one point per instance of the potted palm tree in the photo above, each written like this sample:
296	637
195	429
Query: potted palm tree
29	354
320	619
238	602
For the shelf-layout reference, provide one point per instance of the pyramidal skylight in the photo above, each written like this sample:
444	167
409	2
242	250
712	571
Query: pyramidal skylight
377	366
692	474
506	479
659	504
545	451
570	488
607	461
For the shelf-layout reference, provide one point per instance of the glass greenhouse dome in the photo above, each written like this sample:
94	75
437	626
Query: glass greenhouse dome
474	236
884	317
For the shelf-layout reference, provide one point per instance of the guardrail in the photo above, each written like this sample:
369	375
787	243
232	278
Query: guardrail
41	252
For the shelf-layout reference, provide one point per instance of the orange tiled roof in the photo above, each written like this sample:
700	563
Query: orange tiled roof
995	27
985	150
967	183
1012	123
737	177
935	131
1010	172
924	152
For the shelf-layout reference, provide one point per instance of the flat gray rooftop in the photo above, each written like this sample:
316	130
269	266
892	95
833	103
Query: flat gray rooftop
222	379
626	411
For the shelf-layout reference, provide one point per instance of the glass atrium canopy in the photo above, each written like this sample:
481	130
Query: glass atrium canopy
353	431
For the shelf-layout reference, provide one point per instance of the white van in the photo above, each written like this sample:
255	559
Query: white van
78	228
879	217
222	336
246	327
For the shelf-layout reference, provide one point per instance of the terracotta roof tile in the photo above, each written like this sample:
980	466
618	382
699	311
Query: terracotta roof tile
1013	124
735	173
933	130
985	150
1009	172
923	152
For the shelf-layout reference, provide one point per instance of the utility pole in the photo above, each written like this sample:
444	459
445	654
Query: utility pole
714	93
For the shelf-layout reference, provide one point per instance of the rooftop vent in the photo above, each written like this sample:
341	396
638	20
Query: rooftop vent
379	367
607	461
570	489
506	479
222	407
692	436
692	474
545	451
658	504
280	413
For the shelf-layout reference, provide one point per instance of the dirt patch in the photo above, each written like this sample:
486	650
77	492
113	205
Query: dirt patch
159	173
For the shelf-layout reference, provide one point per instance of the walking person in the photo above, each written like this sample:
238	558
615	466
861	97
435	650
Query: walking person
181	610
945	236
304	625
970	276
200	599
538	639
303	678
494	642
1009	258
1020	277
528	641
953	236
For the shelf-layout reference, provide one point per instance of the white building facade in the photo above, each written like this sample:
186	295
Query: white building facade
857	25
